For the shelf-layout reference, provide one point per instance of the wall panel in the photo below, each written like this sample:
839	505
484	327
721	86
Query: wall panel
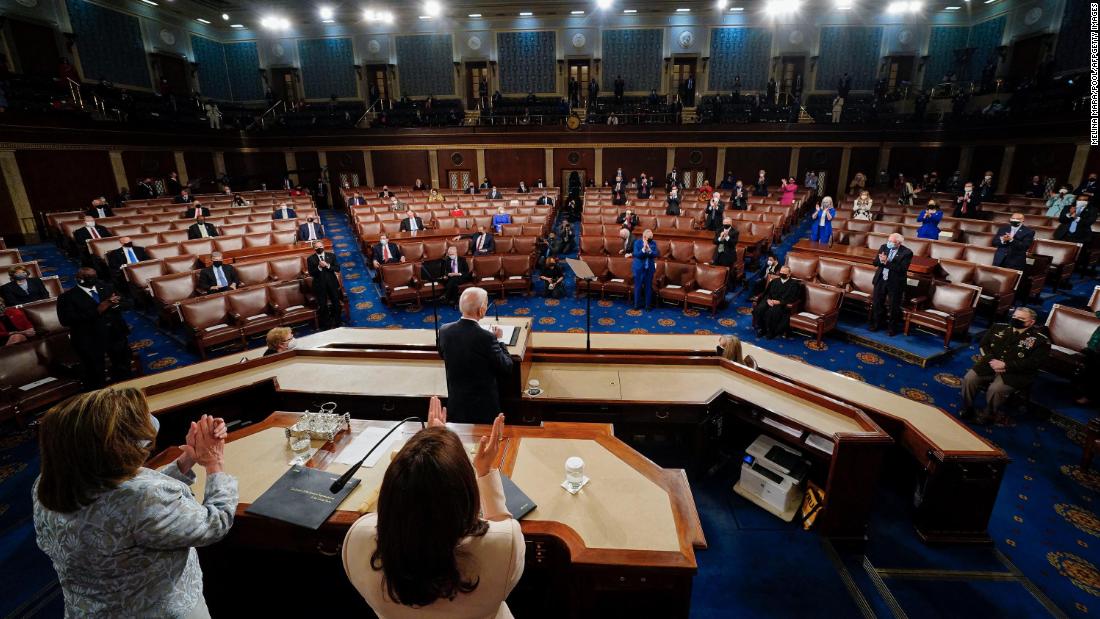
110	44
309	168
690	158
1042	159
942	44
987	157
141	163
527	62
573	159
507	167
739	52
86	174
425	65
853	50
634	161
984	38
864	159
327	68
200	168
213	75
916	161
400	167
242	63
346	162
250	170
818	159
635	54
746	162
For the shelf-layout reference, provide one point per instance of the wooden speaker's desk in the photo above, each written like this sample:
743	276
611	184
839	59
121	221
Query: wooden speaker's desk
631	531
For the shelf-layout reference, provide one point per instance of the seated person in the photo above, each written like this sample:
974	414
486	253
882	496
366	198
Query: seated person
22	288
545	200
771	267
627	219
279	339
435	196
100	208
385	252
770	316
471	188
239	201
184	197
195	211
127	254
554	278
201	230
15	327
218	277
1010	358
462	557
729	347
481	242
411	222
284	211
494	194
486	183
501	218
311	230
397	206
628	241
523	188
455	273
567	238
418	185
385	193
457	211
357	199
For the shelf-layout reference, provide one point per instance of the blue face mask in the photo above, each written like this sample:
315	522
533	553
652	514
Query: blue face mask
156	430
891	245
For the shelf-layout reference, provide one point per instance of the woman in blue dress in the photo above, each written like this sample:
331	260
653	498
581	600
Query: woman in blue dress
929	220
821	230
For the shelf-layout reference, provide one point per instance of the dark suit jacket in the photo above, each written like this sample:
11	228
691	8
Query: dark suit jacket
898	267
208	280
621	219
278	214
173	187
144	192
472	190
405	224
1084	226
190	213
89	330
194	233
474	360
975	205
545	201
729	247
495	195
81	234
324	277
108	212
14	295
1013	254
116	258
353	201
188	199
395	253
385	194
303	231
488	248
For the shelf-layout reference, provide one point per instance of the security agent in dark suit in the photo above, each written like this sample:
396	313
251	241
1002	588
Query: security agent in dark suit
311	230
1090	186
1075	223
890	279
482	242
455	272
412	223
100	208
284	211
185	197
92	312
201	230
770	316
968	203
22	288
172	185
218	277
323	267
385	252
1012	242
474	360
196	211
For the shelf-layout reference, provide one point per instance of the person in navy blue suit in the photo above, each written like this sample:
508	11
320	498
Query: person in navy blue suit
284	211
1012	242
311	230
645	257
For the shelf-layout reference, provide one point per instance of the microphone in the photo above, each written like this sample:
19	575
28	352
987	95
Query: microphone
343	480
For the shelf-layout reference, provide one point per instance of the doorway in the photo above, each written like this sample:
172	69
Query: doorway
580	69
573	180
682	70
476	72
899	71
792	71
459	179
283	86
1025	59
173	70
377	85
35	48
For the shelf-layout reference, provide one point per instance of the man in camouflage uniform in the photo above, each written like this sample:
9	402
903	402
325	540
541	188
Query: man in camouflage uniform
1011	356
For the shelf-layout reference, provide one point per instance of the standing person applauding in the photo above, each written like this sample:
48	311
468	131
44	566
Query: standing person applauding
122	537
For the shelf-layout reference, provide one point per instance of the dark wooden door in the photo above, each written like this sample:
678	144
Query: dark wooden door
1026	55
899	71
475	73
174	71
35	48
282	85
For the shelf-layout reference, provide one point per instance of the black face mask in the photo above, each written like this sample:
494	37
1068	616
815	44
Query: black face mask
726	226
86	282
719	350
320	251
1016	224
217	263
1018	323
127	244
784	278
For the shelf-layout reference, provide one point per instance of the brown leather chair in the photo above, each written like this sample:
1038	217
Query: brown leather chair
709	287
861	290
253	273
284	237
434	249
210	322
599	267
289	303
228	243
1094	300
524	245
819	312
43	316
235	230
504	244
169	290
285	269
1069	330
1063	257
979	255
511	230
666	223
592	246
486	272
998	286
26	364
202	247
803	266
251	311
620	277
164	250
138	276
682	251
400	283
834	273
946	250
702	252
53	286
591	229
516	273
958	271
673	285
172	236
948	309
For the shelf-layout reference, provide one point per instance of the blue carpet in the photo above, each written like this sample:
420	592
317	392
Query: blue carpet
1044	521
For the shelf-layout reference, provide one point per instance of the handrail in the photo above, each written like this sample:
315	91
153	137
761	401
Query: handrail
379	100
260	121
74	92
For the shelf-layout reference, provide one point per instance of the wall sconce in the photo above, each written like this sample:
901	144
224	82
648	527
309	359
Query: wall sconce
561	67
706	59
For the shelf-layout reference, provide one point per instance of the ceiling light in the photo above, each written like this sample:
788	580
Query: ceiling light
327	13
904	7
737	8
236	25
576	12
683	10
225	16
474	15
990	1
273	22
150	2
630	11
843	5
603	5
432	8
424	16
952	8
721	4
776	8
525	13
201	20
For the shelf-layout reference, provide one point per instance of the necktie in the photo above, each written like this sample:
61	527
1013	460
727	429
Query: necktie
101	213
386	252
198	211
95	295
412	224
219	276
454	265
1073	224
202	231
130	256
886	272
95	233
480	242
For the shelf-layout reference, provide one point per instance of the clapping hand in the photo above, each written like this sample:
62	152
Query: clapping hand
437	413
489	447
205	445
882	257
496	331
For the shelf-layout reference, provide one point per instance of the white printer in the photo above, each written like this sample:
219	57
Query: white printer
772	476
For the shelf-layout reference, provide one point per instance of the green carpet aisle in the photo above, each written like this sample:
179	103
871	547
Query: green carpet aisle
1044	525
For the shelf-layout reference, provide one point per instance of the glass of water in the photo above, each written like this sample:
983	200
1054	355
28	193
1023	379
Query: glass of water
300	446
574	473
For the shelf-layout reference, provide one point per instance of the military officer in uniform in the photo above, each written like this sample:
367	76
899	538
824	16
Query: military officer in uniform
1011	356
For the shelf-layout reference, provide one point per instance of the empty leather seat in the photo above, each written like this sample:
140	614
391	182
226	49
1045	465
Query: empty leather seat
834	273
400	283
32	379
620	277
862	288
254	273
43	315
210	322
251	311
709	287
228	243
486	272
803	266
1069	330
516	273
819	312
673	286
998	287
598	264
948	309
290	305
285	269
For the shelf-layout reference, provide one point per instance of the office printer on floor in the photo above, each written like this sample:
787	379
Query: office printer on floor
772	476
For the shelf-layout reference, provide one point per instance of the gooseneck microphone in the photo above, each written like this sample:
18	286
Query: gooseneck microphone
342	481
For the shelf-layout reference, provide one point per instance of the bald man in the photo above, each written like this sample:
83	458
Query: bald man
474	360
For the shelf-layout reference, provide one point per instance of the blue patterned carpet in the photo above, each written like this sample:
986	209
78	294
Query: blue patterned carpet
1045	526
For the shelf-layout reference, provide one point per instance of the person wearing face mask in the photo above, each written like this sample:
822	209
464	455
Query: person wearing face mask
729	347
1010	357
929	220
645	257
985	188
455	273
725	244
1059	201
760	188
92	312
283	211
968	204
1012	242
1075	224
126	255
15	327
771	267
22	288
739	196
789	187
323	268
892	264
861	207
90	231
1035	188
673	201
713	212
100	208
645	185
196	211
1090	186
771	316
279	339
201	230
821	230
311	230
218	277
554	277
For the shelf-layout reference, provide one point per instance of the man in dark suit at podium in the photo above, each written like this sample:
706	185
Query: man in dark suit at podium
474	360
890	279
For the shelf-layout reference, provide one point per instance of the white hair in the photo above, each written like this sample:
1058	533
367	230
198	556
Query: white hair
472	300
896	237
827	202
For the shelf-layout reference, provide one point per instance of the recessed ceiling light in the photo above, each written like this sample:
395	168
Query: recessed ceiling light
576	12
525	13
952	8
201	20
737	8
603	5
424	16
236	25
683	10
327	13
990	1
432	8
843	5
273	22
630	11
150	2
474	15
225	16
721	4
